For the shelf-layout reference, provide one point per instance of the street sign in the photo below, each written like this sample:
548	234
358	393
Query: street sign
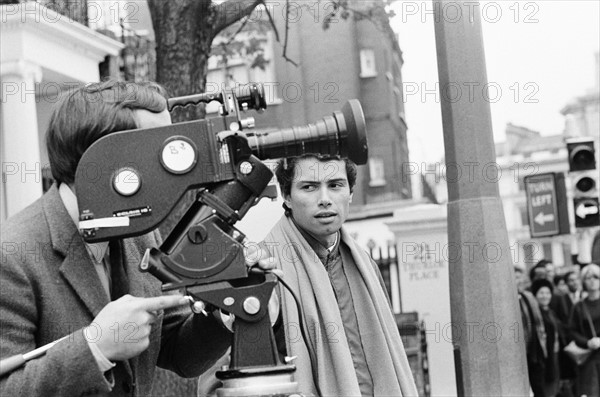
545	202
586	212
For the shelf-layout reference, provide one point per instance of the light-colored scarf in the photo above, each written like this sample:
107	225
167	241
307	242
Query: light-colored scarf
381	341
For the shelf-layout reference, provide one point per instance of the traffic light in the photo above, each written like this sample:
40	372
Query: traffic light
584	181
582	155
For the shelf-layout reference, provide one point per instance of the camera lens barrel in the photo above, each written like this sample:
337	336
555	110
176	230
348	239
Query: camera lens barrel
342	134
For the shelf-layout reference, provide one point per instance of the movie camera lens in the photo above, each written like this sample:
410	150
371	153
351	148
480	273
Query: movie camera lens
341	134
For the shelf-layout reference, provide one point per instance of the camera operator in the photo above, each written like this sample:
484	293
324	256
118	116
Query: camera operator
118	323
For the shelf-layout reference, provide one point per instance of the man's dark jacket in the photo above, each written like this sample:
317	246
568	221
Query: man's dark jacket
49	288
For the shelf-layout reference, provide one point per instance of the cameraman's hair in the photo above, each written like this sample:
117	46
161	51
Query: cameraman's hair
87	113
286	167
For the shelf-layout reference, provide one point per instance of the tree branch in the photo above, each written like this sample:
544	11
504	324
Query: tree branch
272	22
287	31
236	33
231	11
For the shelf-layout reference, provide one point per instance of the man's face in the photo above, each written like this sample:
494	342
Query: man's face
539	273
562	287
319	197
573	282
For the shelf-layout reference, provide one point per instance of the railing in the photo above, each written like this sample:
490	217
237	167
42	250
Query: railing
385	263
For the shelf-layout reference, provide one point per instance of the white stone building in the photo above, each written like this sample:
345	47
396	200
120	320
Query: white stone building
42	53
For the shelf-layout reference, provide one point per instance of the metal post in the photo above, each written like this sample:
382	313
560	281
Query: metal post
486	325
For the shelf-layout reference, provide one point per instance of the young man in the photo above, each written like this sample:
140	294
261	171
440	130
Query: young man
538	271
352	330
572	280
54	284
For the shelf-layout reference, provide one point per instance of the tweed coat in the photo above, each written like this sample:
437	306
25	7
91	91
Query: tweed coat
49	288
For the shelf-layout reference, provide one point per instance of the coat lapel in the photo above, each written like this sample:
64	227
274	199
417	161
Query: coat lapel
77	267
79	271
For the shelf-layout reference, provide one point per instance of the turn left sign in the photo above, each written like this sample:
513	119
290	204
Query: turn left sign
546	204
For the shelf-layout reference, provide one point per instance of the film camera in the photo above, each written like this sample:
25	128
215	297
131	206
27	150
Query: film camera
129	182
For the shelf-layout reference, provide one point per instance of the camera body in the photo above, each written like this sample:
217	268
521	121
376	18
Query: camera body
142	174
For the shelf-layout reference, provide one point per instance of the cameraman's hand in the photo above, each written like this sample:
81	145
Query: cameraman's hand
122	328
256	255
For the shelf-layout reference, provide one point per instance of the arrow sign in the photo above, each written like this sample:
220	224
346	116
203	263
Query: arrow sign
541	218
583	210
542	205
587	211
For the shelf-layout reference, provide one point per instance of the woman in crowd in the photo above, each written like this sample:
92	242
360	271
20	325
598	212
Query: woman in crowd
542	290
585	327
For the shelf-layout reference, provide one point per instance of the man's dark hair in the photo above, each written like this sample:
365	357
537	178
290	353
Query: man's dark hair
285	169
88	113
542	263
533	269
538	284
558	278
568	274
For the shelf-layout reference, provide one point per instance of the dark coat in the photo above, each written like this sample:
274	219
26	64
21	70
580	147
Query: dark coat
49	289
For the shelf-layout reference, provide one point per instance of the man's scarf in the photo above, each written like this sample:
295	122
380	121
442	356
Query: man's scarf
381	341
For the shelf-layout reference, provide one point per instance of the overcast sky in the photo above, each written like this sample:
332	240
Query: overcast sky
540	55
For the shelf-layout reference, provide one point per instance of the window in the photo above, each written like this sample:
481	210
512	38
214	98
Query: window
398	101
566	250
547	251
376	172
367	63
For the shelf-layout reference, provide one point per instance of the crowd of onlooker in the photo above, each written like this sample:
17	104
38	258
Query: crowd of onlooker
558	309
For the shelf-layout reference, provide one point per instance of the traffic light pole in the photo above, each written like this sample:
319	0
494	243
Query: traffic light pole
487	331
